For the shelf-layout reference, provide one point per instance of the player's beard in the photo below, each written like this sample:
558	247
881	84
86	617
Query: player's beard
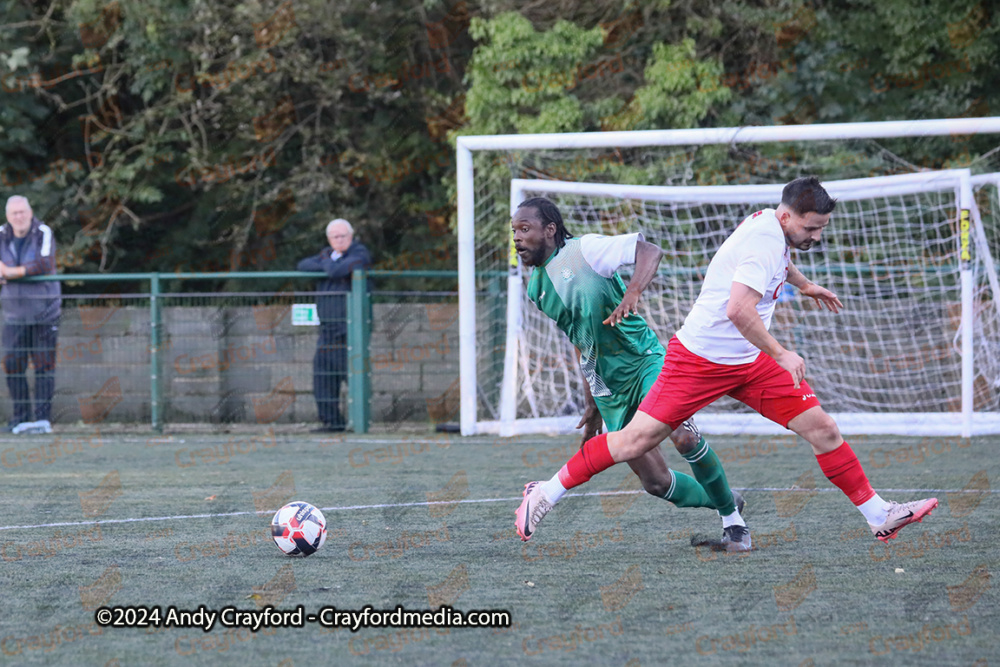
804	244
533	257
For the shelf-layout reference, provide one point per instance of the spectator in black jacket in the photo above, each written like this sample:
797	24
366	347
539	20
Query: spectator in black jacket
330	363
31	313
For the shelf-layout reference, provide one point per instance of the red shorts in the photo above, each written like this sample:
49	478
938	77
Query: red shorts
688	383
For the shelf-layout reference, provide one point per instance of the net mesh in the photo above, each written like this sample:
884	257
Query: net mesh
987	308
893	260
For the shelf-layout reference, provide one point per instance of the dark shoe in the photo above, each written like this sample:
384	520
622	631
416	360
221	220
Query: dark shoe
736	538
329	428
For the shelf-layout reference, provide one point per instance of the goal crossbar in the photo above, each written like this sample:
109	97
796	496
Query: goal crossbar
845	190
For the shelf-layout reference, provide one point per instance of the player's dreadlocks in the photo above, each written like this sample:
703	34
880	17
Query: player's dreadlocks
549	212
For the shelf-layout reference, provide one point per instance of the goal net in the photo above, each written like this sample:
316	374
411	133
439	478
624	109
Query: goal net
916	350
894	255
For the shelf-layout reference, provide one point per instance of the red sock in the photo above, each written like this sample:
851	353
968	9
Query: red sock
592	458
842	468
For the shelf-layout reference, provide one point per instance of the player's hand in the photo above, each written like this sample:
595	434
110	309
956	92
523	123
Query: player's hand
794	364
823	297
591	423
628	306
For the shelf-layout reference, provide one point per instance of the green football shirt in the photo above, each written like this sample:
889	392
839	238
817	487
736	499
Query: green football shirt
578	286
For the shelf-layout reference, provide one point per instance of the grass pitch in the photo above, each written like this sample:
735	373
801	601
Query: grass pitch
610	578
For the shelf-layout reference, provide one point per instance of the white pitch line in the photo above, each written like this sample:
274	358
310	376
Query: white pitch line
471	501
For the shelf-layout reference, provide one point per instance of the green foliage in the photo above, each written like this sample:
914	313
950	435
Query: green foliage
216	135
680	90
527	81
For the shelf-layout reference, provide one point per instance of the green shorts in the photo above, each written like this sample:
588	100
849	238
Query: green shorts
619	408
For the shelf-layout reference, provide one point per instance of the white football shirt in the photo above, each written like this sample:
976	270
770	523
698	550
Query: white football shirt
756	255
606	254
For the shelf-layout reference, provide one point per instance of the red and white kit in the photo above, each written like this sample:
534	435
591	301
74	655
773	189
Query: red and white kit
709	357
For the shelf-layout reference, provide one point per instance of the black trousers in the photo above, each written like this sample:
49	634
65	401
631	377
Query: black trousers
37	342
329	371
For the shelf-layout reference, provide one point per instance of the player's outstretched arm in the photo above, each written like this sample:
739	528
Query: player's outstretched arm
742	312
821	295
647	261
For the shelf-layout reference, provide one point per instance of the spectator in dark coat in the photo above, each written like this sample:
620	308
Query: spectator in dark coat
330	363
31	313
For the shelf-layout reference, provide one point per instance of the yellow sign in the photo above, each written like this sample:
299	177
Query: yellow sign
964	235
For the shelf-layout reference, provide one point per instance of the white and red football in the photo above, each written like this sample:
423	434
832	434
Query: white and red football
299	529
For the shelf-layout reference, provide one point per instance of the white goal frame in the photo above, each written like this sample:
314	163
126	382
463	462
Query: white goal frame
966	423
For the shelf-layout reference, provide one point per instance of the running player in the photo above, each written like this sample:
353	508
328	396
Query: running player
724	347
576	283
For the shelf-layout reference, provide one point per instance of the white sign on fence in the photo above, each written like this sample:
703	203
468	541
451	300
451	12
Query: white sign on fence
304	314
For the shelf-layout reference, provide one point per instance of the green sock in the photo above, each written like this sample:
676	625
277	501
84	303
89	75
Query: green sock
685	491
708	471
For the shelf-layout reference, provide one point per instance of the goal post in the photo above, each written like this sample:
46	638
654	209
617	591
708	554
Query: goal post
492	311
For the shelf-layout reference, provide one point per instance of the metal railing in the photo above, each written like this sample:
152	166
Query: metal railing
358	308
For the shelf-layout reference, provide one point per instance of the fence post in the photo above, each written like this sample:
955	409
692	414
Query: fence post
358	328
154	352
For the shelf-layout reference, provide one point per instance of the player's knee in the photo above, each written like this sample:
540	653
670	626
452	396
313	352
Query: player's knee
684	440
639	444
825	431
656	486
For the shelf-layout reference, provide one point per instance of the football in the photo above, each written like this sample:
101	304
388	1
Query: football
299	529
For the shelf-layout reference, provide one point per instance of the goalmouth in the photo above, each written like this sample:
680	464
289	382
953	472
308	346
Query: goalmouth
909	252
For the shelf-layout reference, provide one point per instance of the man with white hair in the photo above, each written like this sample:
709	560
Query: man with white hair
338	261
31	313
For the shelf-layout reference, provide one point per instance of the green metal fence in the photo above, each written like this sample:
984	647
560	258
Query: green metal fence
232	355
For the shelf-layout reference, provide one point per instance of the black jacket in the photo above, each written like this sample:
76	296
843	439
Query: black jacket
332	309
31	303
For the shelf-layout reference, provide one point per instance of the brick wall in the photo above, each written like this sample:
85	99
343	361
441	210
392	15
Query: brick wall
245	365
